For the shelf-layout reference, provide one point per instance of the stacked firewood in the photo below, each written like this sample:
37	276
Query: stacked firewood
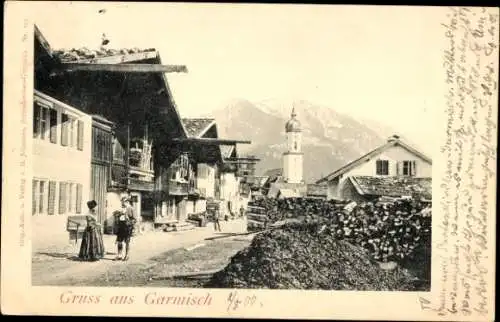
391	230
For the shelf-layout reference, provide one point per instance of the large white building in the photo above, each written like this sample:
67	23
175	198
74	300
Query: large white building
61	157
293	156
393	169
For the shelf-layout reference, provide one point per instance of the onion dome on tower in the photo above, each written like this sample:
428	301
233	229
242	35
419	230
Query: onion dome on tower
293	125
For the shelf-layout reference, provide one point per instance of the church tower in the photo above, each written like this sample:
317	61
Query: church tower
292	158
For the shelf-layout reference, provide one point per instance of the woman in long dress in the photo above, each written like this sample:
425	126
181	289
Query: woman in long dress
92	247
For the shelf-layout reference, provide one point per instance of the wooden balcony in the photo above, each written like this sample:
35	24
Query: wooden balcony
146	174
183	188
176	188
135	178
119	177
140	185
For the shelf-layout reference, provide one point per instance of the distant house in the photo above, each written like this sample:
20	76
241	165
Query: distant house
394	169
317	191
217	165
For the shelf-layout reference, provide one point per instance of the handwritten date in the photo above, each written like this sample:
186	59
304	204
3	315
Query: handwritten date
236	301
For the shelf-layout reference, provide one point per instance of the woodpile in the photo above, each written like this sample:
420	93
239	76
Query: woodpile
390	229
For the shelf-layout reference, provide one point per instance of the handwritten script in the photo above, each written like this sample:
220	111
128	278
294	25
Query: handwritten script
465	251
237	302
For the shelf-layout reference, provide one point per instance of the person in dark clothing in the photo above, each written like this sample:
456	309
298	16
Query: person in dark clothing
125	228
217	220
92	247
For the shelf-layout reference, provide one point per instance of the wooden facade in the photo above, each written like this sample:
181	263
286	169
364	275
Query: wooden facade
102	140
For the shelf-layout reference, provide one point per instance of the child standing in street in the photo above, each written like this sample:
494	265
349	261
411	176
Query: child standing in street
217	220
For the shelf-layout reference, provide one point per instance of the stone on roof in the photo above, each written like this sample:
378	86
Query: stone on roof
394	186
75	54
196	126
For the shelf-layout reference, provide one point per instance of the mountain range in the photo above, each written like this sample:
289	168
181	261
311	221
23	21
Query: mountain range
330	139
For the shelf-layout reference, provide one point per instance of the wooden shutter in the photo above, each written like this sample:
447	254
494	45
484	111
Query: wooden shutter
33	200
80	135
52	198
53	126
62	197
36	120
413	168
78	198
378	167
42	195
70	197
64	129
398	168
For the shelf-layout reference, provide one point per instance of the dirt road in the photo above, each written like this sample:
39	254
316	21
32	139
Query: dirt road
59	265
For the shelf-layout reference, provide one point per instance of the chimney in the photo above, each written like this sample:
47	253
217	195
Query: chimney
393	138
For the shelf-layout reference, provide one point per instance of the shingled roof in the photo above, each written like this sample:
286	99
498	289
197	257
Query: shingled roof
196	127
83	54
396	186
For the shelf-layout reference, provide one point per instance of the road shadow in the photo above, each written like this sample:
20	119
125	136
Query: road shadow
56	255
71	257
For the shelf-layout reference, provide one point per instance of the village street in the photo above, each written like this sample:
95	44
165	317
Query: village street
55	262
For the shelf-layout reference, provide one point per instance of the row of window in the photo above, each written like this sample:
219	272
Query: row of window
57	127
405	168
46	192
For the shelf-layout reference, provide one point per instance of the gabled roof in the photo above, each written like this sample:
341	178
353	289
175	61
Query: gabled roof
393	141
394	186
227	150
43	42
197	127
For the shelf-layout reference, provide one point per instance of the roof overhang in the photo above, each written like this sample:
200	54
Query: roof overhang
210	141
249	160
119	68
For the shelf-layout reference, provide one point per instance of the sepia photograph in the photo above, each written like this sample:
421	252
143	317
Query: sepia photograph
252	147
270	190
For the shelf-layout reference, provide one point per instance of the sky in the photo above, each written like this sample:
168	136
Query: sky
383	64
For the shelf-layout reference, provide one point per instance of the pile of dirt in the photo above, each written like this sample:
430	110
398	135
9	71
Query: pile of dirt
307	256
